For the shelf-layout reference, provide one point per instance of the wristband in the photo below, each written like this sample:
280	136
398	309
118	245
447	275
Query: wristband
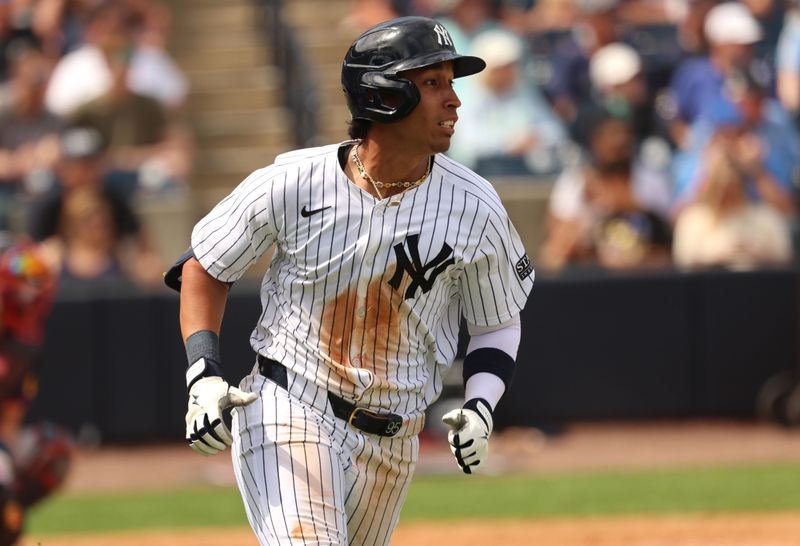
490	360
483	409
202	352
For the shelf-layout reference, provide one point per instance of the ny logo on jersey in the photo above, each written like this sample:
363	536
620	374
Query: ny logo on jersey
442	36
415	268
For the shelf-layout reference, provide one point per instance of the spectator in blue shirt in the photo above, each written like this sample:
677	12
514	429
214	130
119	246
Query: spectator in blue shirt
764	142
732	32
787	61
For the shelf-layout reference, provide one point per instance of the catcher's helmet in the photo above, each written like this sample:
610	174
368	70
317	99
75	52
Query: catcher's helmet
372	63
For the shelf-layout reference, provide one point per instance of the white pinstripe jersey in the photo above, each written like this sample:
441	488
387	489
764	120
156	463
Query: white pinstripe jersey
364	297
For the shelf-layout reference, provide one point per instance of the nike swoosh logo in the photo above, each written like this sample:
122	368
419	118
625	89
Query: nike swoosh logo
305	213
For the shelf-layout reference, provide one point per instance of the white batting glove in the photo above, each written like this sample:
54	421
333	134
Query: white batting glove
206	431
470	428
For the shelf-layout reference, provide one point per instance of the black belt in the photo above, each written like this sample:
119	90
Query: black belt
381	424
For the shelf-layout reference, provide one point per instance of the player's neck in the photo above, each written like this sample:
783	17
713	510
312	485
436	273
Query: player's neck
389	165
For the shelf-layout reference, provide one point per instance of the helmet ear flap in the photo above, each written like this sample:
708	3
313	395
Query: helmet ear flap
389	99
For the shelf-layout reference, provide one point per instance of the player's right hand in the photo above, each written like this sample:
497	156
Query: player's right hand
206	431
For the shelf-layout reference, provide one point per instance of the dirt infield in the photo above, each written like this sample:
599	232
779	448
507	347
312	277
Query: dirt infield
703	530
581	447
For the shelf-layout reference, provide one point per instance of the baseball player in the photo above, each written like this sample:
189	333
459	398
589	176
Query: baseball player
34	459
382	245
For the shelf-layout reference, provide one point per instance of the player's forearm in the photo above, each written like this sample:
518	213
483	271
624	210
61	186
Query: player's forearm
490	360
484	385
202	300
488	369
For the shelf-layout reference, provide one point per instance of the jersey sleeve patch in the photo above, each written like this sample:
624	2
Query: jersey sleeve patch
524	267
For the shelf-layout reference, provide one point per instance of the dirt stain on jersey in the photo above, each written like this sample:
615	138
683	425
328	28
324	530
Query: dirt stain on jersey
298	532
360	329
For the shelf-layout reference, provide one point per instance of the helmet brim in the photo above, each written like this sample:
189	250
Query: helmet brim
463	65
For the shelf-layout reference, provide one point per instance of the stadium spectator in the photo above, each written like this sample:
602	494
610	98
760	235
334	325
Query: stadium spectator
72	17
28	134
550	16
515	15
88	247
787	61
146	151
153	72
150	21
731	32
365	14
758	128
691	36
83	74
27	23
596	25
723	227
507	127
465	20
651	12
80	171
86	238
601	212
770	15
619	88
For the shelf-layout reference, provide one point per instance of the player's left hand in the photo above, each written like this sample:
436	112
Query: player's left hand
206	431
470	428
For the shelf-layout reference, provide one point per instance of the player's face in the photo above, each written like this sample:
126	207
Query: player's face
431	124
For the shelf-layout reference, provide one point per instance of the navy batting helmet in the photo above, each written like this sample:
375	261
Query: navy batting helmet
372	64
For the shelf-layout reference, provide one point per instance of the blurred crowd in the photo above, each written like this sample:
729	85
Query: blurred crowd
670	127
91	120
90	124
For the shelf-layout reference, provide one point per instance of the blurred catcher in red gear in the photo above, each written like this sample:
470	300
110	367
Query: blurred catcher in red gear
27	288
33	460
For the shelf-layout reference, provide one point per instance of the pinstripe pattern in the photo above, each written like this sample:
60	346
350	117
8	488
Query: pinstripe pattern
308	478
363	298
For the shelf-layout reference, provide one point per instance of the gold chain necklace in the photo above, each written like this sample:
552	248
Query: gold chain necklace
378	184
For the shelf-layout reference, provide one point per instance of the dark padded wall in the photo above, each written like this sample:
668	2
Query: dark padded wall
597	347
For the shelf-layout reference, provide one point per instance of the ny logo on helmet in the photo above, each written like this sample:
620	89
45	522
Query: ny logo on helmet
442	36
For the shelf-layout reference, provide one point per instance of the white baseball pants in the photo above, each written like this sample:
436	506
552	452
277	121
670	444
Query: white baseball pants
308	478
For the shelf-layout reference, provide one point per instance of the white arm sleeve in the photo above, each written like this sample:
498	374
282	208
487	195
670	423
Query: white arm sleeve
485	385
506	337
